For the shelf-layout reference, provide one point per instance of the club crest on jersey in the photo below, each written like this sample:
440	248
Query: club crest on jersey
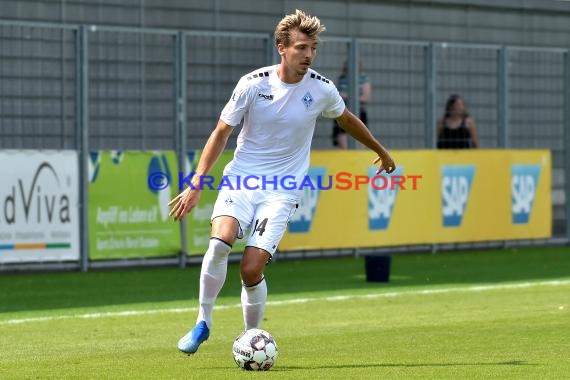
307	100
229	201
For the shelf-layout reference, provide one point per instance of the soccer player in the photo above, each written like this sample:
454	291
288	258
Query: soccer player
279	106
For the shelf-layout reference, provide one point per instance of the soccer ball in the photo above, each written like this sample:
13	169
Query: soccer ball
255	350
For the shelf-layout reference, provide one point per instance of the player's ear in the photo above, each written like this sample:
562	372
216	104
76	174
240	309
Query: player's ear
281	49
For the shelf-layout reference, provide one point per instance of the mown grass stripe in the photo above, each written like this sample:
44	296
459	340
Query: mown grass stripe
128	313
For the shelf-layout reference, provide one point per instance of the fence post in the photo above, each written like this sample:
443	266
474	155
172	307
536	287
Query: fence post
430	89
82	140
353	83
272	56
503	98
567	139
180	80
430	95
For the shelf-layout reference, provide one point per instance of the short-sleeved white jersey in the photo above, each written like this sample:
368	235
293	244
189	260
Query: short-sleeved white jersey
278	123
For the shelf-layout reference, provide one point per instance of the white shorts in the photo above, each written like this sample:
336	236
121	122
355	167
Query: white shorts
265	212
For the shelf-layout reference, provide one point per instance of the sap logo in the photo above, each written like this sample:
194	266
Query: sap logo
524	182
381	202
455	188
303	217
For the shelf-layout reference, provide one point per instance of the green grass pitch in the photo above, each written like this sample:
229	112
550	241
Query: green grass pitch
463	315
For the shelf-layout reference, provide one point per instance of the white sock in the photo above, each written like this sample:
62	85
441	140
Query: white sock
253	304
212	278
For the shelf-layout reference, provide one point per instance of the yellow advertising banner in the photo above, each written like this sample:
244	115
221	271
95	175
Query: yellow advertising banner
433	197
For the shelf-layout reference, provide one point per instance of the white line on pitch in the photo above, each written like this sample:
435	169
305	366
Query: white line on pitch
127	313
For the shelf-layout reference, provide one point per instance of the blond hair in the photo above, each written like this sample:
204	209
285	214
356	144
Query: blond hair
305	23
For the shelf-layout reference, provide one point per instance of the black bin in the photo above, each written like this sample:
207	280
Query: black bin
377	268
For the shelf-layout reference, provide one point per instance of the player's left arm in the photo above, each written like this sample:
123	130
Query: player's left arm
356	128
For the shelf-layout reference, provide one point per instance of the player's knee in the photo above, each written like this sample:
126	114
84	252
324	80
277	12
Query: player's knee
252	265
251	274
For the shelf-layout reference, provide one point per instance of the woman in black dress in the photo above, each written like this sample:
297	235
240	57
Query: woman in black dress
456	130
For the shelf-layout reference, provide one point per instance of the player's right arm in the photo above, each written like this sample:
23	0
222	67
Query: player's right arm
189	198
232	114
213	149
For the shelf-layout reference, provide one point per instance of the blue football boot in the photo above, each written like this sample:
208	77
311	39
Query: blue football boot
190	342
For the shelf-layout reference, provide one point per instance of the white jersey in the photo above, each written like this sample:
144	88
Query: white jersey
278	124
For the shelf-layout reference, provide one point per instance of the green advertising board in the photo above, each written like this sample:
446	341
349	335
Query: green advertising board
199	219
128	214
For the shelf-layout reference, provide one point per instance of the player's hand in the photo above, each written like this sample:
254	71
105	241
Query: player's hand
184	203
386	163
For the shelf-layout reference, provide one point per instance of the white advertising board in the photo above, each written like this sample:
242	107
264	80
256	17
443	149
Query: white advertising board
39	215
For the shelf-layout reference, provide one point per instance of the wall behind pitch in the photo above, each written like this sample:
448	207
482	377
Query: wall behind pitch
536	23
533	22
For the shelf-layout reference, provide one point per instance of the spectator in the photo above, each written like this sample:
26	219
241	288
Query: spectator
456	130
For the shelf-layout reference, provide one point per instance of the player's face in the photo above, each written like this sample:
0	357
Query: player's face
300	53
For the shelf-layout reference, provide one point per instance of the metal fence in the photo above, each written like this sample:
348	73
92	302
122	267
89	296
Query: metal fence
92	87
38	86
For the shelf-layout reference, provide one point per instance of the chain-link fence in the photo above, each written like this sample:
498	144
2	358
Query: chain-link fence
536	108
37	86
131	89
